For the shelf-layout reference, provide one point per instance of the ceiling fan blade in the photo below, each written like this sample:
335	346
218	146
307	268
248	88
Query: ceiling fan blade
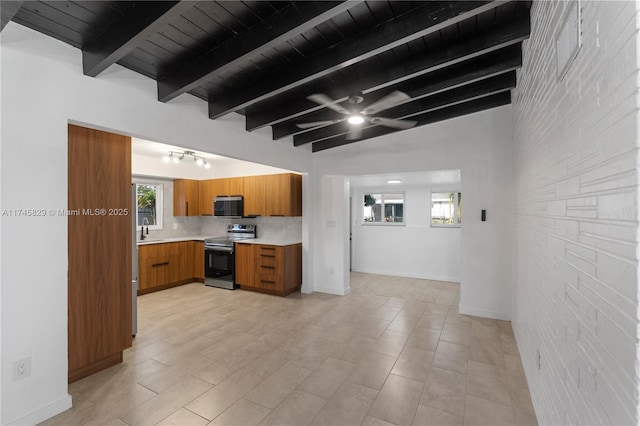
316	124
322	99
392	99
354	133
392	122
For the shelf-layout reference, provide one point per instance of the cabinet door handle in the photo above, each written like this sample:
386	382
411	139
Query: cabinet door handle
267	255
187	208
268	282
160	264
268	248
267	267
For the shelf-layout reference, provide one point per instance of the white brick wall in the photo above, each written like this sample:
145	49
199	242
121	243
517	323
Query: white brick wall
576	217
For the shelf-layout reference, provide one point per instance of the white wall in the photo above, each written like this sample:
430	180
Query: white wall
480	146
220	168
576	218
414	250
42	90
329	234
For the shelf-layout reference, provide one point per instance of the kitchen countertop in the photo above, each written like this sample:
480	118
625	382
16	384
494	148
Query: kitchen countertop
172	239
266	241
270	242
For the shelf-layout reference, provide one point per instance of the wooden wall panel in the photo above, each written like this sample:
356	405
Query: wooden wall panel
99	253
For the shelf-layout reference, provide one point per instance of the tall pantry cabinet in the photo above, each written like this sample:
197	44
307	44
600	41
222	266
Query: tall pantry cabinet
99	250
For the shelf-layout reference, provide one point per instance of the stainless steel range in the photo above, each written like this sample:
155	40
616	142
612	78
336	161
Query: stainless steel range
219	256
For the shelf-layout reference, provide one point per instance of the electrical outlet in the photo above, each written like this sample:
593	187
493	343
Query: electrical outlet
22	368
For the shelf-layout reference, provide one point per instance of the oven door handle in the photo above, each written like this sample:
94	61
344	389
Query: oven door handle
218	248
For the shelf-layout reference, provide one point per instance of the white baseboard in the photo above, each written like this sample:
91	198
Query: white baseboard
305	289
44	413
408	275
477	312
339	291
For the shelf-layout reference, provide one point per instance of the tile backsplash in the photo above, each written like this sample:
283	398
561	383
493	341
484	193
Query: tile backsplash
278	228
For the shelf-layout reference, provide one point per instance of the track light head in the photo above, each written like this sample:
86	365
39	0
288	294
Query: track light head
176	157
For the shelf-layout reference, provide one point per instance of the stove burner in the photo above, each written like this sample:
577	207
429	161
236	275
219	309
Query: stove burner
235	232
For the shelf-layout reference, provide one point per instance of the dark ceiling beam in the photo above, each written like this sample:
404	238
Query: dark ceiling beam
419	107
389	35
508	60
476	105
492	41
8	10
283	26
141	21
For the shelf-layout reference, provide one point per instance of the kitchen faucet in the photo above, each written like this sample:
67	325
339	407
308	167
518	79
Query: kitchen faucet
144	221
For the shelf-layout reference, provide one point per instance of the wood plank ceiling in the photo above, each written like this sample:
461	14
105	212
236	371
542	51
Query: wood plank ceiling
264	59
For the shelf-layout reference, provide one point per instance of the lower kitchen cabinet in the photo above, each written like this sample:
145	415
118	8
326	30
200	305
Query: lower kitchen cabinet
197	248
268	268
167	265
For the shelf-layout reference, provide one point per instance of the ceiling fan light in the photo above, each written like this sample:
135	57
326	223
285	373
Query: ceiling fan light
356	119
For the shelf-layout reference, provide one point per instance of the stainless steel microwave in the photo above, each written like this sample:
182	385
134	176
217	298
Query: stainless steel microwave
232	206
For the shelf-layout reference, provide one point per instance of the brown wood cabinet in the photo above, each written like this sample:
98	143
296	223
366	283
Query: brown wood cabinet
205	195
269	268
99	250
167	265
245	264
266	195
211	188
254	196
186	194
283	194
236	186
197	248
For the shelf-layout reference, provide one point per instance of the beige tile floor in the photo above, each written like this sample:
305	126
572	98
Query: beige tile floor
394	351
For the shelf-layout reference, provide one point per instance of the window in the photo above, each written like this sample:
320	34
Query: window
149	206
384	208
446	208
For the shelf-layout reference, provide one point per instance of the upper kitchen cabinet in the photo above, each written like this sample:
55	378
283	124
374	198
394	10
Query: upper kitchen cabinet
255	196
283	195
267	195
236	186
212	188
209	189
186	194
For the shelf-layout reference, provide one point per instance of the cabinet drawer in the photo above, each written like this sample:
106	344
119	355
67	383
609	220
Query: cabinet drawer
159	270
267	261
269	252
268	269
268	281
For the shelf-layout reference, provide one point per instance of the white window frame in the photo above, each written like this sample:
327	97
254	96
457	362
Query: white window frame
443	225
382	194
159	205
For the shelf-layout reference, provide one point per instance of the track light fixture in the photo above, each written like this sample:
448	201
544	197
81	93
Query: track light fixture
176	157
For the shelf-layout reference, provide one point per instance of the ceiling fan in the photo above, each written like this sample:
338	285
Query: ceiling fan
357	116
